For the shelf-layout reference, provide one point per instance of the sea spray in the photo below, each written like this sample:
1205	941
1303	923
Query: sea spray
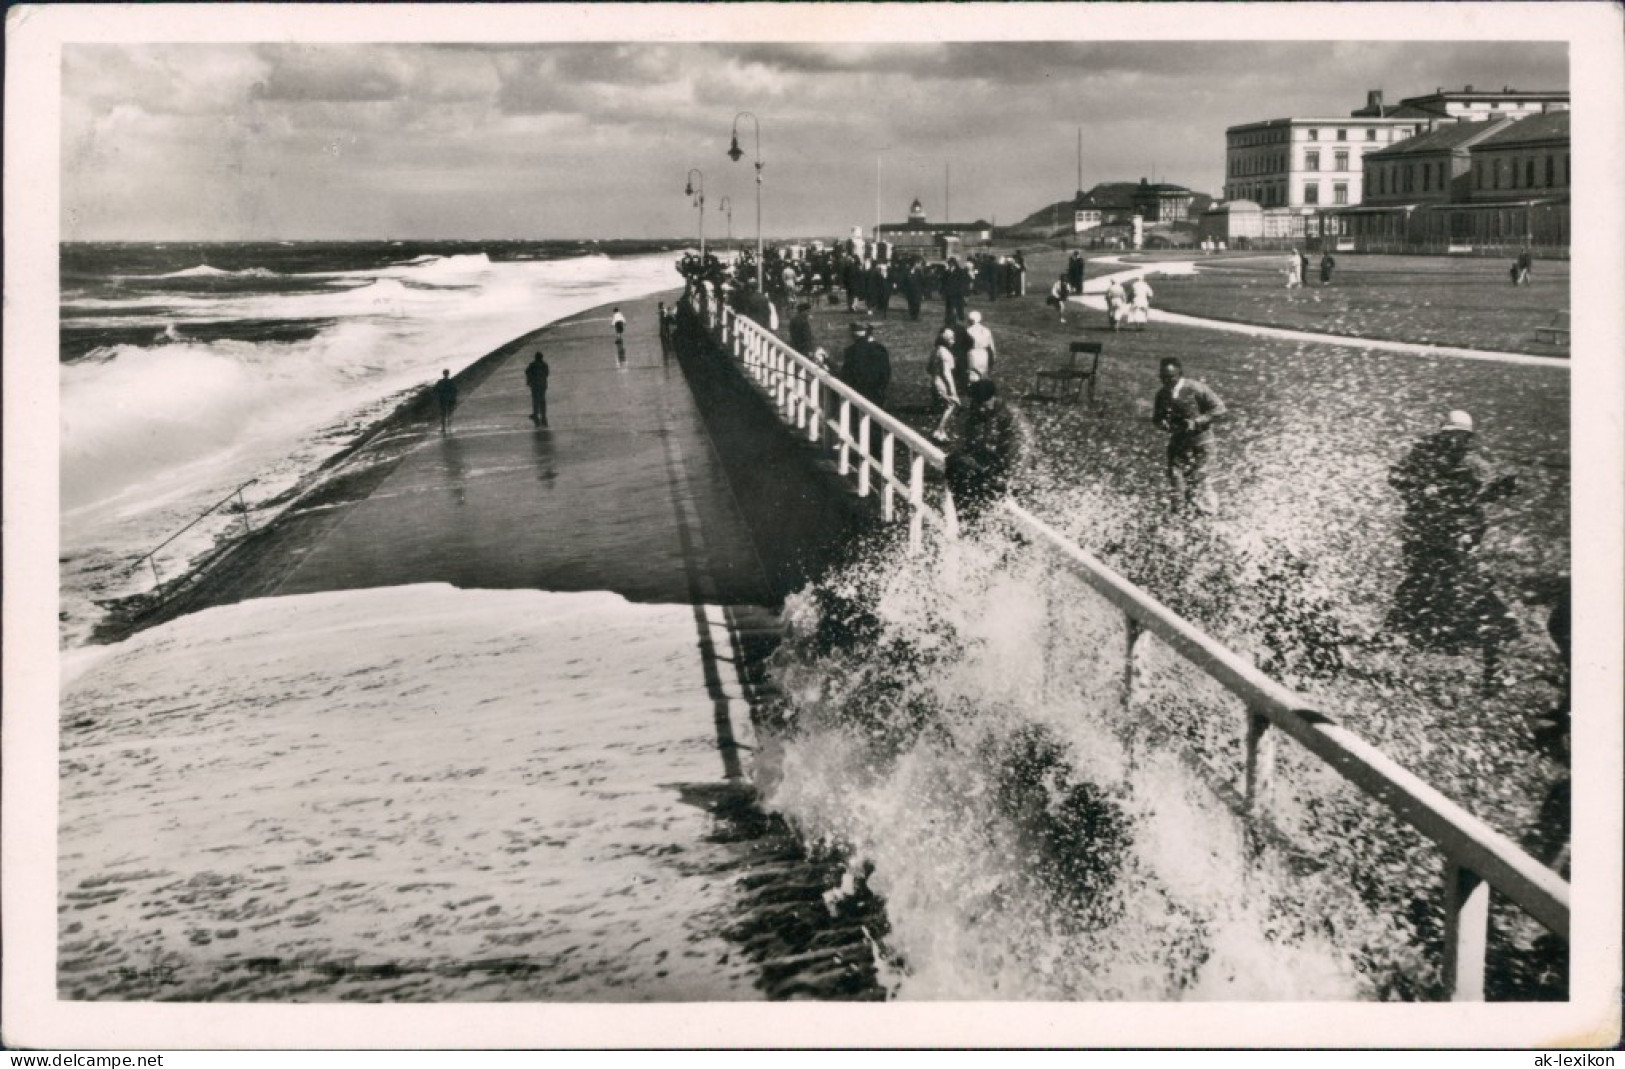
1027	843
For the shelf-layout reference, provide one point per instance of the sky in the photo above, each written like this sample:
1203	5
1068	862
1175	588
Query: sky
594	140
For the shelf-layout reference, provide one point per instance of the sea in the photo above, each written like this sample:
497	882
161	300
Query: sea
190	371
1028	842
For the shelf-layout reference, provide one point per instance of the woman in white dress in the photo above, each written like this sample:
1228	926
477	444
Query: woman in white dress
1116	304
942	383
1140	297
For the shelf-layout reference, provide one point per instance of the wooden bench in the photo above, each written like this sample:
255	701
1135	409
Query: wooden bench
1067	383
1556	332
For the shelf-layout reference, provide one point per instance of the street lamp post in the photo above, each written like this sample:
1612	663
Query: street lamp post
734	152
726	206
699	201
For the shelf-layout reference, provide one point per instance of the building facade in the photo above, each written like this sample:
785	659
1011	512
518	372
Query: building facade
920	233
1431	168
1299	163
1529	158
1510	192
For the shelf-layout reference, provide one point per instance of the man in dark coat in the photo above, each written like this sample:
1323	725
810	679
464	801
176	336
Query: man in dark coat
914	288
866	365
1326	265
1074	272
1445	601
801	330
955	288
445	396
536	373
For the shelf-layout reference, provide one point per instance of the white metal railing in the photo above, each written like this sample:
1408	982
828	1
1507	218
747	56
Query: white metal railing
1477	857
829	412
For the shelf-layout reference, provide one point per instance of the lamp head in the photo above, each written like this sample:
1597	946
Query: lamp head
733	149
688	188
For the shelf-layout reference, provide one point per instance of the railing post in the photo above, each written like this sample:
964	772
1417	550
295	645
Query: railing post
843	462
815	426
1466	932
863	454
916	503
243	505
888	453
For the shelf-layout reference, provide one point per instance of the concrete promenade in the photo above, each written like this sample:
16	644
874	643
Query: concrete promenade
621	492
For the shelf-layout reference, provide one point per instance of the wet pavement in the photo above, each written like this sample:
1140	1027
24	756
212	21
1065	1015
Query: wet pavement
622	491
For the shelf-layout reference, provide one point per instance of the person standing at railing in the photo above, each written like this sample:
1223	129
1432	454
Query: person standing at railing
981	471
1186	409
445	399
866	365
942	382
1446	602
801	330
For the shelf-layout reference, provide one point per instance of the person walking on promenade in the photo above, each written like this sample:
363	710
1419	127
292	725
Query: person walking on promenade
979	359
1019	275
1524	265
445	397
1059	291
1186	409
1296	264
801	330
1326	265
536	373
1116	304
663	318
981	470
955	288
866	365
1074	271
942	382
1445	601
619	322
1139	295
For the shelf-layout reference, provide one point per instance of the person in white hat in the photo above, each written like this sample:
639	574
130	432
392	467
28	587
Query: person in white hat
1446	602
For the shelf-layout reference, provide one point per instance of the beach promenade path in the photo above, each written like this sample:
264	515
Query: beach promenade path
621	492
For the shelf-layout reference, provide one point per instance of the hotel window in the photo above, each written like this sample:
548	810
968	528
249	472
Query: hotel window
1342	135
1314	135
1566	179
1342	161
1340	193
1311	192
1529	173
1478	174
1371	135
1551	171
1311	161
1427	176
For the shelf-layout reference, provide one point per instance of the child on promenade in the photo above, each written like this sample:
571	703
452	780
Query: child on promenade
1058	294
